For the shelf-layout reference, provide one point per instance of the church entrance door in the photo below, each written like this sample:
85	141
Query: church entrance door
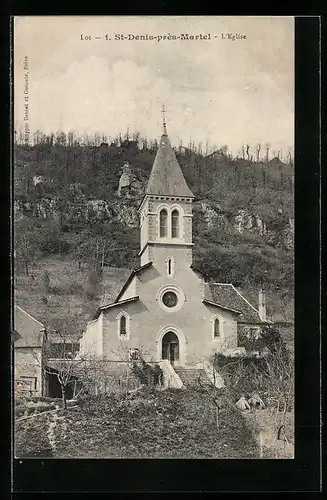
170	348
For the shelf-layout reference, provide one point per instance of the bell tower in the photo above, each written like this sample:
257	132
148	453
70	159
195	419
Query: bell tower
166	209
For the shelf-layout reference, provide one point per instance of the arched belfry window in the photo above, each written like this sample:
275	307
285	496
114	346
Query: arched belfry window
175	224
163	223
216	328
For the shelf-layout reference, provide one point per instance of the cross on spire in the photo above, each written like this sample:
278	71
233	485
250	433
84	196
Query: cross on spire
163	110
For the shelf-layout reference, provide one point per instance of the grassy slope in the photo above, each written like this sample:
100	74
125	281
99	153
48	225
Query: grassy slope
168	424
67	297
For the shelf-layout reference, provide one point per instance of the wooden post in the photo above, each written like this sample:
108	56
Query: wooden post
127	379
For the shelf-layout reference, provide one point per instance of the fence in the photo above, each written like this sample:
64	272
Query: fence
107	377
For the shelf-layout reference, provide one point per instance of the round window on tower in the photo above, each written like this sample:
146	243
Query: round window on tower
170	299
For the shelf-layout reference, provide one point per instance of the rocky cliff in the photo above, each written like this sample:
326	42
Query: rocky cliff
123	205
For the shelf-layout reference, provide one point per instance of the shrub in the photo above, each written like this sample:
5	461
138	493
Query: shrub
147	374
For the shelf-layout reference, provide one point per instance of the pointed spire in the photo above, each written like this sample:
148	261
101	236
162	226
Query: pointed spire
163	110
166	176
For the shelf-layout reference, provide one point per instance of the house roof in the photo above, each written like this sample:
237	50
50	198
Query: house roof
210	302
28	328
166	176
225	295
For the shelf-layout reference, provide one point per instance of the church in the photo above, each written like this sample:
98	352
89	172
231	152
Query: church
167	310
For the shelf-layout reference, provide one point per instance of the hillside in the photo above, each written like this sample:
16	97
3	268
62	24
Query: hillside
68	304
76	210
151	424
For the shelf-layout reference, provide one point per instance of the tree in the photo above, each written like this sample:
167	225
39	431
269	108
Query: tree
258	149
62	349
224	149
290	156
272	375
26	243
46	282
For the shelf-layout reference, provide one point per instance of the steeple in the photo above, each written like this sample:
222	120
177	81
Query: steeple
166	213
163	110
166	178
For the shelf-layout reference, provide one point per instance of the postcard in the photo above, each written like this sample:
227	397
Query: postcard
153	205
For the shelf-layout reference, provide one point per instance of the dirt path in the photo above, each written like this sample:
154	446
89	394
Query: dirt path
53	418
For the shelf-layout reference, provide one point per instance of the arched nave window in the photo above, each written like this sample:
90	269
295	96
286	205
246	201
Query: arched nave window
123	325
216	328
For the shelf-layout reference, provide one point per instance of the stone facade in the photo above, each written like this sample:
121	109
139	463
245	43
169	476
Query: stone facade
149	321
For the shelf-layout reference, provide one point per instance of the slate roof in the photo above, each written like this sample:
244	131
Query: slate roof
28	328
166	176
226	295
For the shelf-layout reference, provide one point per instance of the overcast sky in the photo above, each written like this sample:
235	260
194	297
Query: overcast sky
220	91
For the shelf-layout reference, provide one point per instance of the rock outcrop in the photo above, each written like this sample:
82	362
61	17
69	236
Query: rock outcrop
245	220
129	185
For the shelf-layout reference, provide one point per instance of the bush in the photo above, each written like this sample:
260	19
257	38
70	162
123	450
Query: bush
147	374
271	377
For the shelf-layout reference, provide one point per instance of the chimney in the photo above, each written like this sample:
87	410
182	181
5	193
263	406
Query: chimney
262	305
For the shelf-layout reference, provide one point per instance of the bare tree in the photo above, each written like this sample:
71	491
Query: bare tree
247	147
65	368
26	244
290	156
258	149
224	149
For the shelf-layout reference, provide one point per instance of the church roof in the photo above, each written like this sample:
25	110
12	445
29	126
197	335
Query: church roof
131	276
29	329
114	304
166	176
226	296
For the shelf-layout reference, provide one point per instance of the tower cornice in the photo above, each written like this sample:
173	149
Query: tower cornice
156	197
168	243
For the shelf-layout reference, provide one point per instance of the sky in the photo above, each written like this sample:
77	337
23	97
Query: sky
218	91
